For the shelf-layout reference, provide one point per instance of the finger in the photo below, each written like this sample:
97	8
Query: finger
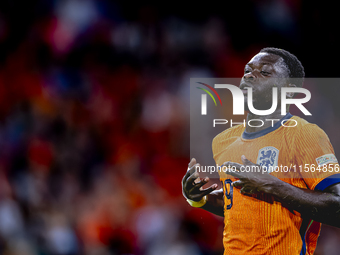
188	180
246	190
192	163
190	172
209	190
192	178
199	184
234	173
233	165
185	177
202	182
246	161
237	184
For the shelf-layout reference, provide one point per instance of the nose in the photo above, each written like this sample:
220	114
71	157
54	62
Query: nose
249	76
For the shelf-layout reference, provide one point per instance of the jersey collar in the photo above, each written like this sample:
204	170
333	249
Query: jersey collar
253	135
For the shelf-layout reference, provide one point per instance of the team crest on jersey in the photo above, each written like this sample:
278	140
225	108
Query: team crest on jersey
268	158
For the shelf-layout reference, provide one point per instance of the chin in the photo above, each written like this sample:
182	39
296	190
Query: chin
246	108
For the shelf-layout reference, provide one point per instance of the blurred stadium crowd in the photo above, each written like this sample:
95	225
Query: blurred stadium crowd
94	118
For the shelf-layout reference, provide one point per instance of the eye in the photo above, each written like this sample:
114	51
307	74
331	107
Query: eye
246	71
265	73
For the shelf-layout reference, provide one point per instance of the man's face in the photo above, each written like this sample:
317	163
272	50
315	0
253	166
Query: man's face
263	72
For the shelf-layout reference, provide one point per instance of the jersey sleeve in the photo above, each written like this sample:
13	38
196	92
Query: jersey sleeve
315	159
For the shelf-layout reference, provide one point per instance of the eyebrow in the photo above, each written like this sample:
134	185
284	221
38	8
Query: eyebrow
264	63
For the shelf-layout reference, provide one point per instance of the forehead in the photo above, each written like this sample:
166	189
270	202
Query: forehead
265	58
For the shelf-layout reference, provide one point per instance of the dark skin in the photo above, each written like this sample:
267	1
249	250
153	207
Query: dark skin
261	73
193	190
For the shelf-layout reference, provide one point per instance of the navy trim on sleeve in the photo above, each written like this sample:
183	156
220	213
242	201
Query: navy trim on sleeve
325	183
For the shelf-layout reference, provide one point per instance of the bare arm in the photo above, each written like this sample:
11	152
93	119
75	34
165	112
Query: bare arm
321	206
193	190
215	203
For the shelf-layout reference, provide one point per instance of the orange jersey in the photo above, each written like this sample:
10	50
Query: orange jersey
302	156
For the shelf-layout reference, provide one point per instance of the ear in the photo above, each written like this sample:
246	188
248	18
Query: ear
291	94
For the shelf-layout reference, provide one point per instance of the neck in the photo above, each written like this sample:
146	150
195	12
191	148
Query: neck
268	120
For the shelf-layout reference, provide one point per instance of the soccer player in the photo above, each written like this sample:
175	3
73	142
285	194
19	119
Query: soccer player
277	212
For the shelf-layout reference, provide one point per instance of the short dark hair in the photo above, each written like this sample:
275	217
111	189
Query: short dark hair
295	68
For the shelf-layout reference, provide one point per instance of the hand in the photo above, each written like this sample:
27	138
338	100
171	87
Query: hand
193	189
251	182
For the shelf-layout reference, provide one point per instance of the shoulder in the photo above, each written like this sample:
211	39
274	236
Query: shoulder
297	122
304	125
306	130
